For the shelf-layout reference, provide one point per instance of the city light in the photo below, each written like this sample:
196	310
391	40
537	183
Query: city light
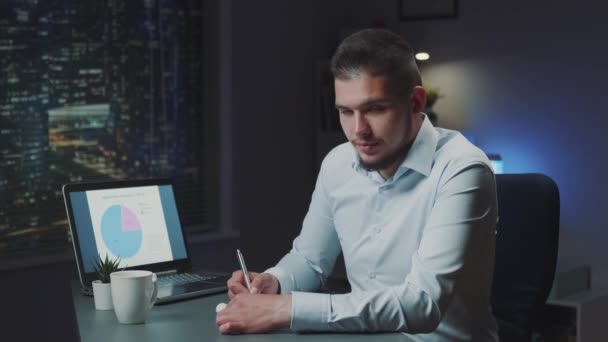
89	104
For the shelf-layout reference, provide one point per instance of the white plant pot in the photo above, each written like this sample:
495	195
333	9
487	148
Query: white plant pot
102	293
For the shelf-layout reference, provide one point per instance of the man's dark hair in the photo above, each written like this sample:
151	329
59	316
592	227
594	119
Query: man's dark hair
379	53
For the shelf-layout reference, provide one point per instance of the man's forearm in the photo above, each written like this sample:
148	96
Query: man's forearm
377	310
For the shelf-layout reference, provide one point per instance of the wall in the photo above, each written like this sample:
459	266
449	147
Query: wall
527	80
275	51
273	56
512	76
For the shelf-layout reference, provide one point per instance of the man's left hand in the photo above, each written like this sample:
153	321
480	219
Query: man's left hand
255	313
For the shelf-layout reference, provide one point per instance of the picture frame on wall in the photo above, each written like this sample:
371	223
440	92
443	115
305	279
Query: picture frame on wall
427	9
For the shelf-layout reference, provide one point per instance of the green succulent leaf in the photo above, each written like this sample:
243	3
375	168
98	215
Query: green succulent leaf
105	266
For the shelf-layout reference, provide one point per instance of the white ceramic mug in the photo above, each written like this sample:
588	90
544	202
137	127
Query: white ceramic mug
133	295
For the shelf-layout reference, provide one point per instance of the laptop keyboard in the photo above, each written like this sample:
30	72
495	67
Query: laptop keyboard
182	278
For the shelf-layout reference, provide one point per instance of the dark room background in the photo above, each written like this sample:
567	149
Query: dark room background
522	79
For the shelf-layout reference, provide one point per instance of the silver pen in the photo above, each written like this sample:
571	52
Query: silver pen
244	269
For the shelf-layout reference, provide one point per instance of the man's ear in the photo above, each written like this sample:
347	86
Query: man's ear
418	99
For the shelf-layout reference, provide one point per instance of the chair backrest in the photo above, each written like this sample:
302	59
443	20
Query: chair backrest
526	251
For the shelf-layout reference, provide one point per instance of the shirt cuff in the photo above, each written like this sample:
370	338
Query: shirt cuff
286	282
310	311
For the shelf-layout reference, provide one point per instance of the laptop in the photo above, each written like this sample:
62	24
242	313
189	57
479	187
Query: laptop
137	221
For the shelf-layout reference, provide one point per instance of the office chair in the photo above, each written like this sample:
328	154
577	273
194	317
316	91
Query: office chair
526	252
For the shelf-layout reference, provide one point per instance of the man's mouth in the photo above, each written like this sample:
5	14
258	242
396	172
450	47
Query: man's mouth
367	147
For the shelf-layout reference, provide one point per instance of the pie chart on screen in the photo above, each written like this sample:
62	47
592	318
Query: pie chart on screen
121	231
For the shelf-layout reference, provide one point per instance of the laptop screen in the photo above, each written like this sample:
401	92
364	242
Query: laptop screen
138	224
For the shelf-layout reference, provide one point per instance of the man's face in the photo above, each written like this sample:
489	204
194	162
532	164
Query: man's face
380	124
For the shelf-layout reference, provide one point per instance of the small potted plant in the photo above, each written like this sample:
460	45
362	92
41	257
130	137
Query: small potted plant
102	292
432	95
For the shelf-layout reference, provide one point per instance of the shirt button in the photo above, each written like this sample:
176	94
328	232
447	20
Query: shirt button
372	275
377	230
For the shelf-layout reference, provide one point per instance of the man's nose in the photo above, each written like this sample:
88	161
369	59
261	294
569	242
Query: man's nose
361	125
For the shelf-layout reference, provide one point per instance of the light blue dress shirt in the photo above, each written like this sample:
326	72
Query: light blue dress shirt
418	247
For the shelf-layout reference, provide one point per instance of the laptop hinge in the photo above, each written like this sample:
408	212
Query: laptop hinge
165	272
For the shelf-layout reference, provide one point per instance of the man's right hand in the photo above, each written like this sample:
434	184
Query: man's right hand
260	283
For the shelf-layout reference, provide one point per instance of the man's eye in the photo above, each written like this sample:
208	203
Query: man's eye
344	111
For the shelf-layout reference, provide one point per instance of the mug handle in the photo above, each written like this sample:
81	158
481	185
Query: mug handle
155	292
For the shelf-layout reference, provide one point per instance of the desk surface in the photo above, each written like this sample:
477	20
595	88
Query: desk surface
190	320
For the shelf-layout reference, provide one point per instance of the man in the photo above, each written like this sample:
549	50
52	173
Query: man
412	208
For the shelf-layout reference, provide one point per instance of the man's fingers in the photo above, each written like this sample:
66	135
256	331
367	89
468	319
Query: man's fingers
235	288
231	328
236	284
263	283
231	295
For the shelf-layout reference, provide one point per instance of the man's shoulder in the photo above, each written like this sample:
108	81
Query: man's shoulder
341	155
338	163
454	150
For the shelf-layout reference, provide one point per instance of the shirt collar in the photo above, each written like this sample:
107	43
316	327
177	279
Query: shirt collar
421	154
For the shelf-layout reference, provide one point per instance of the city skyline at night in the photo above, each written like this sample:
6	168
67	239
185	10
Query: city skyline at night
95	90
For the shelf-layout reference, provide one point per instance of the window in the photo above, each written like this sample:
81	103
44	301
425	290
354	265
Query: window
97	90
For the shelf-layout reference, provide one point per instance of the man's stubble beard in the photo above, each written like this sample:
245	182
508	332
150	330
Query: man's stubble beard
385	162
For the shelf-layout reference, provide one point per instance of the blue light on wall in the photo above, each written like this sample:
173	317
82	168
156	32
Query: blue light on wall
497	163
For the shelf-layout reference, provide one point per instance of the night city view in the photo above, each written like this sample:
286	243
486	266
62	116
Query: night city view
94	90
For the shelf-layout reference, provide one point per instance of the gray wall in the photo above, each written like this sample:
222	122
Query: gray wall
527	80
512	74
273	54
276	48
